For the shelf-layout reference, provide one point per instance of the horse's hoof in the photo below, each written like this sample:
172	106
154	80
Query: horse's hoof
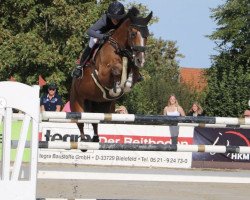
140	78
95	139
127	89
85	138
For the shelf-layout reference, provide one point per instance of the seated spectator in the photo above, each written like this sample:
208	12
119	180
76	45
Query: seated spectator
196	110
51	101
173	108
66	107
121	110
247	113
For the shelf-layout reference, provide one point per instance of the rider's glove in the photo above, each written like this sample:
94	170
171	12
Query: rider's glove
105	37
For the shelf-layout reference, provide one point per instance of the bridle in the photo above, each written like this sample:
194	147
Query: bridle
132	35
131	50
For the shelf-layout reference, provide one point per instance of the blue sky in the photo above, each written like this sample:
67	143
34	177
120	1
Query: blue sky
187	22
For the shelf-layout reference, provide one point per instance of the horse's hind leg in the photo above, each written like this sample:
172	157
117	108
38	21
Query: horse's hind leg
101	107
96	136
77	106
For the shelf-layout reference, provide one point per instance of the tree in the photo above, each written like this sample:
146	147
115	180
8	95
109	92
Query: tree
229	77
44	37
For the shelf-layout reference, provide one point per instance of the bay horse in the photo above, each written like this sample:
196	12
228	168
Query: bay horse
112	71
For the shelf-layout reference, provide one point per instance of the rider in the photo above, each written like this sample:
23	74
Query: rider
99	30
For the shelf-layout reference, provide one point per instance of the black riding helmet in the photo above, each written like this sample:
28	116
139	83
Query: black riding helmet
116	10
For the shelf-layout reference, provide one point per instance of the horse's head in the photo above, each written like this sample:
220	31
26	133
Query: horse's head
137	36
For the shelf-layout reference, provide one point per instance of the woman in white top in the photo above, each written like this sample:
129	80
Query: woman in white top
173	108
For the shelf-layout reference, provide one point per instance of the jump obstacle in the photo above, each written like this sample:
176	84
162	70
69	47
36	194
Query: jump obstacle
143	119
136	147
208	122
26	189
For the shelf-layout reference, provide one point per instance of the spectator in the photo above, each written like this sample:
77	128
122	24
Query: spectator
66	107
51	101
121	110
173	108
196	110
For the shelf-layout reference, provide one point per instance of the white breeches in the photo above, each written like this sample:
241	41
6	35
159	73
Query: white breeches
92	42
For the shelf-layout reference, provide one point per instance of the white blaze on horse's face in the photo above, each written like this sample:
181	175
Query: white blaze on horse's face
138	42
140	56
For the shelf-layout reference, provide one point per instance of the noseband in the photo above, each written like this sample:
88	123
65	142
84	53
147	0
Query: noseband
132	49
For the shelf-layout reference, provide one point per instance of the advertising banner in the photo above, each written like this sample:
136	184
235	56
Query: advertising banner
118	133
221	136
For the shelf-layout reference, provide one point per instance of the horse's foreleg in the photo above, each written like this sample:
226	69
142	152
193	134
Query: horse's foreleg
116	75
136	74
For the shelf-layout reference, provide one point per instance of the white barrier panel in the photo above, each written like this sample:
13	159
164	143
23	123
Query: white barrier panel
12	185
120	133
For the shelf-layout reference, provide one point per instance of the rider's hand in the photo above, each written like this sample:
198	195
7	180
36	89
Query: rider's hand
105	37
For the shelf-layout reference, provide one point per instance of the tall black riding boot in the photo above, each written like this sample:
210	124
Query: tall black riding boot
84	58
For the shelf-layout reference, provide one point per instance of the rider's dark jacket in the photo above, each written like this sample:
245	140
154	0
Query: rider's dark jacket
102	26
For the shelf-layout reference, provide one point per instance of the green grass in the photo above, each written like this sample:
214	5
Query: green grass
16	127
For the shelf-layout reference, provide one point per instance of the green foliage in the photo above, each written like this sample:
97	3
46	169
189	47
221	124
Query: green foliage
44	38
229	77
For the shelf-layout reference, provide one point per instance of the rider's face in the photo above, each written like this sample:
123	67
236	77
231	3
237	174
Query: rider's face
115	21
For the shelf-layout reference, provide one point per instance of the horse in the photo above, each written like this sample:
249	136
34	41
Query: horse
112	71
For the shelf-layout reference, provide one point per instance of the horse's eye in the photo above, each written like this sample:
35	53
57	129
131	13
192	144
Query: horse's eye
133	34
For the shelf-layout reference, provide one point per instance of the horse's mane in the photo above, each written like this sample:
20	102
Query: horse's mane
138	21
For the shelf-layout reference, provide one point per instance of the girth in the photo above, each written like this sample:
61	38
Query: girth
104	90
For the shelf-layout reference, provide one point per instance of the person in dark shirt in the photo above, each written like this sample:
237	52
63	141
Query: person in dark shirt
51	101
99	32
196	110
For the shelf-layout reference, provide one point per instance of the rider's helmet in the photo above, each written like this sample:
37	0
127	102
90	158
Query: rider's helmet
116	10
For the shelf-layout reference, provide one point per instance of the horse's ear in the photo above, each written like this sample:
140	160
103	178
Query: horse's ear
133	11
132	14
148	18
132	18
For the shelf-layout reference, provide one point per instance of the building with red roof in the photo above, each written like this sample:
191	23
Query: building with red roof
194	78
